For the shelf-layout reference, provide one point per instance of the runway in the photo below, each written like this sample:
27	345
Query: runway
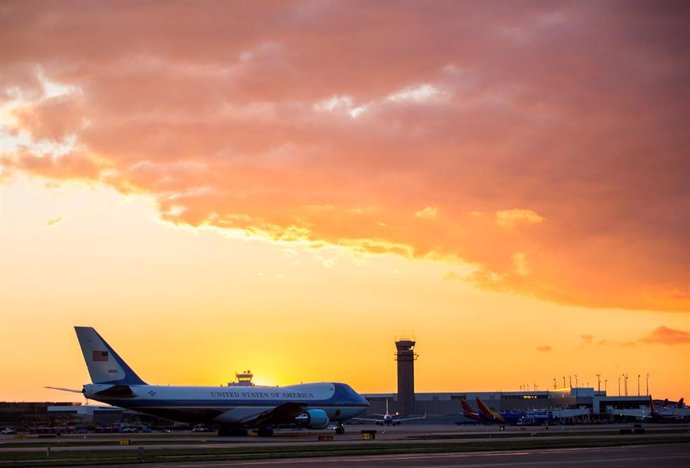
666	455
411	445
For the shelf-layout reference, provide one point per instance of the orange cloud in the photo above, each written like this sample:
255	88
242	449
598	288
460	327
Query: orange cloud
303	121
667	336
544	349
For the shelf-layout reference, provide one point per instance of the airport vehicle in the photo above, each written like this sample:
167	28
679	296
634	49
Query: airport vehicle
389	419
234	409
8	431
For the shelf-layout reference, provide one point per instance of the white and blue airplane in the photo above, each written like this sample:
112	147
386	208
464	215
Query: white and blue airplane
234	409
389	419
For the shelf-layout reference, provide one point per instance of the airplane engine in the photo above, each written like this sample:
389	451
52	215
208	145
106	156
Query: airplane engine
313	419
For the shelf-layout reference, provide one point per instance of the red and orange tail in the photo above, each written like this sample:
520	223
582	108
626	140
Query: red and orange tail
466	408
488	412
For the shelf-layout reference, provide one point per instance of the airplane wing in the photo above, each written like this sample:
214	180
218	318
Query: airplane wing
410	419
378	420
281	414
394	420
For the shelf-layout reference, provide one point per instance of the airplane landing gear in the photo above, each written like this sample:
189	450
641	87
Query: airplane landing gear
340	430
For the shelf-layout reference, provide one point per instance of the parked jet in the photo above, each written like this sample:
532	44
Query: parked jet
235	409
504	417
537	418
469	413
673	404
389	419
489	416
663	415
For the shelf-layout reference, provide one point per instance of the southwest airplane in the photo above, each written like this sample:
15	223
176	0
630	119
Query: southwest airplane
469	413
389	419
487	415
235	409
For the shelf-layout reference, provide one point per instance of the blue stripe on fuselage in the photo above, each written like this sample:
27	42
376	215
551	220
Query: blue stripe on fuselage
154	403
343	396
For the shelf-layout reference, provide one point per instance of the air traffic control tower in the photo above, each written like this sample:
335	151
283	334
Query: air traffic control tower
406	358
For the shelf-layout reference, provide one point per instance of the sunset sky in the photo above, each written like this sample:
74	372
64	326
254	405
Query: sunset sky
289	186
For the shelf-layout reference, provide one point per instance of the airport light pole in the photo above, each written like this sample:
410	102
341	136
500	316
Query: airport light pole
625	382
564	381
638	384
570	381
619	386
647	384
576	384
554	382
598	382
606	381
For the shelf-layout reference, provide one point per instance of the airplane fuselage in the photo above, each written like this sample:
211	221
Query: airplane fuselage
230	405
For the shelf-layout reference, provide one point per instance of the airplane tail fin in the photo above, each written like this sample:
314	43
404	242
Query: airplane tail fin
483	408
488	412
681	403
466	407
104	364
652	407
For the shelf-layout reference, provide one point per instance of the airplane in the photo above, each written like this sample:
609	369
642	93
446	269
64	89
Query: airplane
469	413
488	416
664	415
504	417
537	418
389	419
235	409
665	403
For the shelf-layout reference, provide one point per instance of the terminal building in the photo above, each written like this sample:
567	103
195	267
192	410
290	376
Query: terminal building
568	404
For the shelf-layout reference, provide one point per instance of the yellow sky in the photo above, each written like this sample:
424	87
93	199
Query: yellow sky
195	305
